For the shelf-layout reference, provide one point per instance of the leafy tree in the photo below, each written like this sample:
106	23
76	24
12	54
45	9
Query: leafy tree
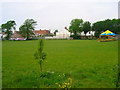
1	32
100	26
8	27
23	30
55	32
27	28
76	26
116	25
86	27
40	55
97	28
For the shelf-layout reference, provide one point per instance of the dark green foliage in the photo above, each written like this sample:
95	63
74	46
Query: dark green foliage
51	35
23	31
86	27
27	28
112	25
8	27
55	32
76	26
86	38
76	37
118	25
97	34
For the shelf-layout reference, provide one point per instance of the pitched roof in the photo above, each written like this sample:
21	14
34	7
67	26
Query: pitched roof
16	32
107	33
41	32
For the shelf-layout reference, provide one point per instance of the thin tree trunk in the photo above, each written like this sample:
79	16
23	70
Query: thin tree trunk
75	34
8	36
41	69
27	35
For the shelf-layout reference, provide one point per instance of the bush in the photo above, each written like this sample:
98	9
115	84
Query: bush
97	34
52	35
86	38
76	37
113	39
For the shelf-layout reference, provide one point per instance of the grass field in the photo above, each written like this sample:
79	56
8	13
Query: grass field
89	63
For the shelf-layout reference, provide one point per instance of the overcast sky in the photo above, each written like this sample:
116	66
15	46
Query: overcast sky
56	14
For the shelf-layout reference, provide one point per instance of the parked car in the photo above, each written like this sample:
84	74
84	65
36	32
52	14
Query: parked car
12	39
20	39
24	39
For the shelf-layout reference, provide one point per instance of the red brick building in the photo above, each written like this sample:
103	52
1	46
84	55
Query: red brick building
35	33
41	32
16	34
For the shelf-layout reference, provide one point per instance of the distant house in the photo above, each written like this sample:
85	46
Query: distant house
2	35
36	33
41	32
16	34
89	33
82	33
63	34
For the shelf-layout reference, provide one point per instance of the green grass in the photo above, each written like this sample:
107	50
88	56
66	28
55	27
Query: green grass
89	63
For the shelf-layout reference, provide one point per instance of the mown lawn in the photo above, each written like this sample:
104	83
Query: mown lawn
89	63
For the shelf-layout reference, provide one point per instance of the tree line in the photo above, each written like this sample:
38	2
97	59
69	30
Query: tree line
25	29
108	24
76	27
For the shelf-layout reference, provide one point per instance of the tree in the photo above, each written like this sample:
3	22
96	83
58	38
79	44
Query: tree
55	32
27	28
23	30
104	25
40	55
76	26
1	32
86	27
116	25
98	27
8	27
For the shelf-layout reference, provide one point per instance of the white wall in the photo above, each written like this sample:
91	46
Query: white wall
82	33
63	34
0	36
3	36
90	33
